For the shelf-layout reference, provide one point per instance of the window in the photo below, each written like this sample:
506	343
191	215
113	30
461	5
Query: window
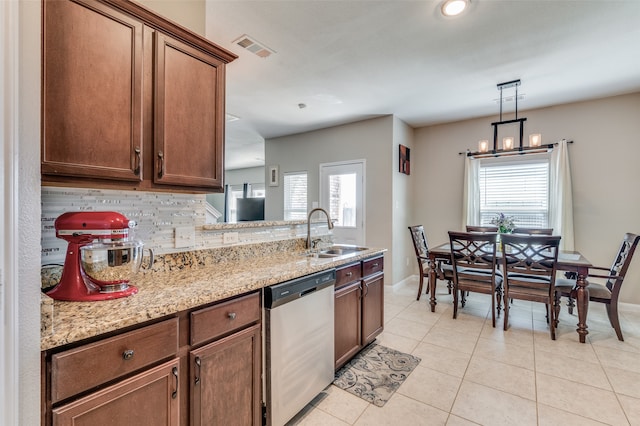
516	188
295	196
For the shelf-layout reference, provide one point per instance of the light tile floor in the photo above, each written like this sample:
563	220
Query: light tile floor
472	373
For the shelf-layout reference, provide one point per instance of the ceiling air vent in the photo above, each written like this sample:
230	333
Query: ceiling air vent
253	46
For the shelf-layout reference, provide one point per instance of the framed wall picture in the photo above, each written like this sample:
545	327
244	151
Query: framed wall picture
273	176
405	157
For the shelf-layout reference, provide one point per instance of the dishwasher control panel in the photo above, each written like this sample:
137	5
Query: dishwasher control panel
279	294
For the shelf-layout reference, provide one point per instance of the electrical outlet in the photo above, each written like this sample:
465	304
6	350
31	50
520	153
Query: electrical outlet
184	236
229	237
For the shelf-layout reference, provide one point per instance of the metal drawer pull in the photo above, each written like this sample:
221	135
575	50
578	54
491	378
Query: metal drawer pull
375	265
161	164
198	364
174	394
232	315
127	355
136	170
349	274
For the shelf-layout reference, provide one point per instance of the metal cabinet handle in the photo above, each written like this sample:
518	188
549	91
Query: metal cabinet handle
375	265
198	365
366	292
174	371
127	355
137	168
231	315
161	164
348	274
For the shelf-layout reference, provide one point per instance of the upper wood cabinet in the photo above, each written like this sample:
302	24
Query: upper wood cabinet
130	99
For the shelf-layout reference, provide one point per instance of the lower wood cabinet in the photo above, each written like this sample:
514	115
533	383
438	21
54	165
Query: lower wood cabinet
348	318
225	380
148	398
359	307
202	367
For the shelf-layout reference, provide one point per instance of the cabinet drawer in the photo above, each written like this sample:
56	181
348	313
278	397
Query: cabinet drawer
372	266
87	366
347	274
209	323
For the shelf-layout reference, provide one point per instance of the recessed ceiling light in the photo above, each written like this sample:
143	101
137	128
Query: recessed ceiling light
454	7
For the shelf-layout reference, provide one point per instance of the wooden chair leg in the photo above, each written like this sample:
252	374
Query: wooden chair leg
464	298
556	309
498	301
612	312
546	307
420	286
506	310
551	321
570	305
455	303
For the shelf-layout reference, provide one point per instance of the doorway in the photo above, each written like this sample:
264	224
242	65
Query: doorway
342	187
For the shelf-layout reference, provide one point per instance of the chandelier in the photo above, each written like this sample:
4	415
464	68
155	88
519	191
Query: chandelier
508	143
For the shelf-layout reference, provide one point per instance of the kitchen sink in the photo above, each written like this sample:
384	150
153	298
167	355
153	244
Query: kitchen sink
343	250
336	251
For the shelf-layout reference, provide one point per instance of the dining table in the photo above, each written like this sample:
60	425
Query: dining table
568	261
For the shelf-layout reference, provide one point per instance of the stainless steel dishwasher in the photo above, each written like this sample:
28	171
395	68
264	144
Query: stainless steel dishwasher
299	343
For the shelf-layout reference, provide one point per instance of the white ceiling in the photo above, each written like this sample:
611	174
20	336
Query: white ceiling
354	59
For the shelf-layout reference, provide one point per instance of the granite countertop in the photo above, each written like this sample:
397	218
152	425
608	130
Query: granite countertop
163	293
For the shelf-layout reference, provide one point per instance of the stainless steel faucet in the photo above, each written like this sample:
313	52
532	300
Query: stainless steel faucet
329	223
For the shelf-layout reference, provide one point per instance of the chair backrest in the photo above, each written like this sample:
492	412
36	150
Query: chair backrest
473	252
533	231
473	228
622	261
529	261
419	242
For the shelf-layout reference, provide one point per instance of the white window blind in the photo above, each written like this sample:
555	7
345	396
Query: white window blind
295	196
516	188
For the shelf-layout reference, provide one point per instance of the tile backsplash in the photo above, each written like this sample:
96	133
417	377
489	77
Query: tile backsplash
157	215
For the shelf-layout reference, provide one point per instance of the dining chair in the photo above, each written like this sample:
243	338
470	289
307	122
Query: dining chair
473	256
444	271
490	228
533	231
608	291
529	272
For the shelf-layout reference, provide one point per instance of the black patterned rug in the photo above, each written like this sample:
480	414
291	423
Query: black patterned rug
375	373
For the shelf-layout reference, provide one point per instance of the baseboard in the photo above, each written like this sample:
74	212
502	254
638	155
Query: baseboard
409	280
628	307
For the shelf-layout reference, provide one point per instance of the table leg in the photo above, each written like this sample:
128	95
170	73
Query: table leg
432	284
582	297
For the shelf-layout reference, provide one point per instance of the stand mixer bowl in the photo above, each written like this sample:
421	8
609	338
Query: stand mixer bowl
111	265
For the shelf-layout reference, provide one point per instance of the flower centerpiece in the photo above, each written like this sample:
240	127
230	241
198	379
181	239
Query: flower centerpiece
504	223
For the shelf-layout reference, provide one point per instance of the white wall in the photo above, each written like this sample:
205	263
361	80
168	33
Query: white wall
28	187
604	167
403	187
188	13
371	140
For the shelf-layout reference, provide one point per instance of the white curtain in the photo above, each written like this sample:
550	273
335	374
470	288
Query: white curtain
471	193
561	196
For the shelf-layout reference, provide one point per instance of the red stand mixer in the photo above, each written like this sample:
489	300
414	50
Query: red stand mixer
100	258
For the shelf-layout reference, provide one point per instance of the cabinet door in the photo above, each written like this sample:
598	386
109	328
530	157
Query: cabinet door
148	398
347	322
372	308
225	380
188	115
92	91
